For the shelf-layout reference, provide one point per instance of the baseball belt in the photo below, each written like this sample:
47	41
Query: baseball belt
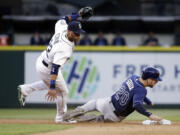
44	63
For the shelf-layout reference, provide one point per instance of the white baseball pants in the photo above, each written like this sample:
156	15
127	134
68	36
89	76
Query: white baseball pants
104	106
61	87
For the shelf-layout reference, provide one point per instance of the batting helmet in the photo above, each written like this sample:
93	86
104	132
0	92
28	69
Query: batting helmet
152	73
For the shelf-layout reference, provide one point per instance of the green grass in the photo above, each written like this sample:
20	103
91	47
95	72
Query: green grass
24	129
29	114
33	114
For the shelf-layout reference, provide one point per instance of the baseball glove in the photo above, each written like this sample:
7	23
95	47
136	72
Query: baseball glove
86	12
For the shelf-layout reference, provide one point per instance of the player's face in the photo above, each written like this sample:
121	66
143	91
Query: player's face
73	36
76	37
151	82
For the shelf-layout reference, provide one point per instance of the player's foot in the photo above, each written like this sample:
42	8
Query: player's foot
74	113
87	118
66	122
21	97
59	120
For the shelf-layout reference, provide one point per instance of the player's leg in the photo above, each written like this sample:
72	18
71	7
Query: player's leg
89	106
81	110
79	114
105	107
26	89
86	118
61	106
61	102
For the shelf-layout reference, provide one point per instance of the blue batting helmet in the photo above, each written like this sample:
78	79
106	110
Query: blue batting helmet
152	73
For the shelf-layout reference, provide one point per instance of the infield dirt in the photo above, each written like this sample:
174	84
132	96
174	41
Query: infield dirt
124	128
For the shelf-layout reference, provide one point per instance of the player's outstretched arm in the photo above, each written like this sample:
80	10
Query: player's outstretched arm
148	101
84	14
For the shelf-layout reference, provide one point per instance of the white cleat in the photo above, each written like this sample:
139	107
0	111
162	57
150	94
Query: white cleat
69	122
59	120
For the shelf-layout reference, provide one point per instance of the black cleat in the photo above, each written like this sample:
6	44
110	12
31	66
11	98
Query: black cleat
21	97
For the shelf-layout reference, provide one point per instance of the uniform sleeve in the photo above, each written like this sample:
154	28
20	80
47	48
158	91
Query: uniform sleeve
139	95
60	58
138	100
147	101
60	26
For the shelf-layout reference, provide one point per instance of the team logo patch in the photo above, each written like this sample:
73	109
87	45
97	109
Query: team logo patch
82	77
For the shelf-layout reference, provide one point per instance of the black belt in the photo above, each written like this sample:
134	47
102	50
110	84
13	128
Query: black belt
44	63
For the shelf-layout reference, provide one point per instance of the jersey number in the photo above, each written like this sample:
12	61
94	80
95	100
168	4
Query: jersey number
52	42
122	96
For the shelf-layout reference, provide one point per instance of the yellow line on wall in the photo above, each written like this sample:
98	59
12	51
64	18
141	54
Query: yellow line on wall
22	48
96	48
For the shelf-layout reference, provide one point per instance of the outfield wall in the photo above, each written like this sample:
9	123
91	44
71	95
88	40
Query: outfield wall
99	71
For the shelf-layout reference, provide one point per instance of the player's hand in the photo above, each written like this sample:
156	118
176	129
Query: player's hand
51	95
86	12
155	118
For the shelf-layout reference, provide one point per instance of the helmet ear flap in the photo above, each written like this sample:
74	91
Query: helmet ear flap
144	76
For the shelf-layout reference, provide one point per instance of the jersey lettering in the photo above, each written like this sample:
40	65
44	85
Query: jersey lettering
49	48
51	43
130	84
56	38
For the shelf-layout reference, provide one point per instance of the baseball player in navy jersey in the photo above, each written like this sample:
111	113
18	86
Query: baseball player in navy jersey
51	61
123	102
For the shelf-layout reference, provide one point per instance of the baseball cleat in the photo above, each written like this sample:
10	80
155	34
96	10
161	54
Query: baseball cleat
21	97
59	120
74	113
87	118
66	122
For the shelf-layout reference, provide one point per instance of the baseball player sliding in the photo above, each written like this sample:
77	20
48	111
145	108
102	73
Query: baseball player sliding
128	98
52	60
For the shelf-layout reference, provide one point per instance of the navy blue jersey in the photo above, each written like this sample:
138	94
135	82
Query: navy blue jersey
130	97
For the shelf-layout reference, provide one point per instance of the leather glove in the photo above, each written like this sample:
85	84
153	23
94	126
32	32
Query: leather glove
86	12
